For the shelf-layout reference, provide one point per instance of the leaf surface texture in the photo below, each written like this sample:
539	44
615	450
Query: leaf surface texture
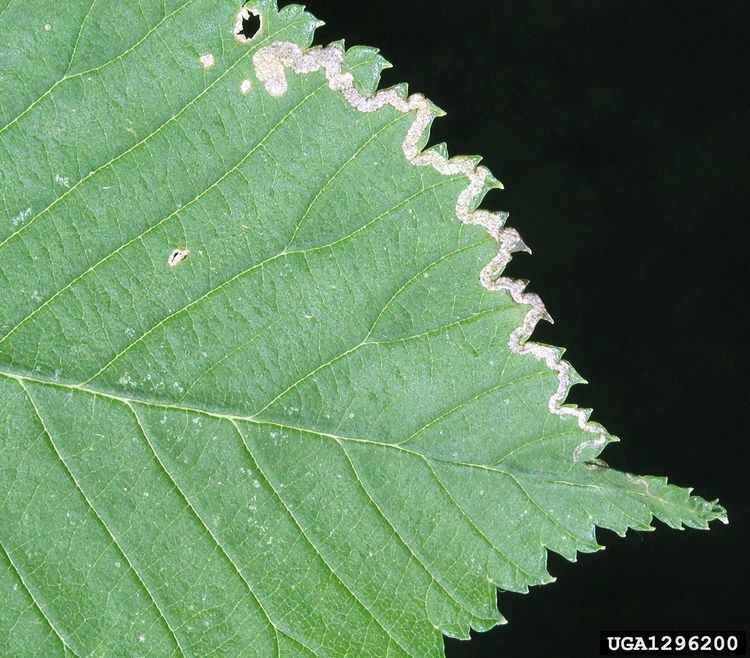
310	435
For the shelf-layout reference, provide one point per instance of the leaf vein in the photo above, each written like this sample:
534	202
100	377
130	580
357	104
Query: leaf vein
473	524
239	275
36	603
348	351
96	513
275	625
143	141
309	540
466	403
78	39
449	591
92	70
111	254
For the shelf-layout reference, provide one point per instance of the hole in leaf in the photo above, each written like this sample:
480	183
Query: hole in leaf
248	25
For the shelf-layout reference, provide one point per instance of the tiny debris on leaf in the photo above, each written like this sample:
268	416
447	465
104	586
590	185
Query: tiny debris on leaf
177	256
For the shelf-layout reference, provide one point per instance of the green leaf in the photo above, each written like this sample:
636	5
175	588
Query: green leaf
263	386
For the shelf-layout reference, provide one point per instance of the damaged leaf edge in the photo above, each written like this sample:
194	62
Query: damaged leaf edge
271	64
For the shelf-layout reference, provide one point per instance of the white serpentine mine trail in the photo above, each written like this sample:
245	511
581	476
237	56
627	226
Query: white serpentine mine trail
270	64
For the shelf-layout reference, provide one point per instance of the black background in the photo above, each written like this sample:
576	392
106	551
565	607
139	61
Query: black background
620	131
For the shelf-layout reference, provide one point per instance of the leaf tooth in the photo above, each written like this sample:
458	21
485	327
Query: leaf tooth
493	182
366	65
473	159
441	149
401	90
575	377
292	11
489	183
297	12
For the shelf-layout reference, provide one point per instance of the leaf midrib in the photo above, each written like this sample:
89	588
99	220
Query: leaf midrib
23	381
341	441
254	420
